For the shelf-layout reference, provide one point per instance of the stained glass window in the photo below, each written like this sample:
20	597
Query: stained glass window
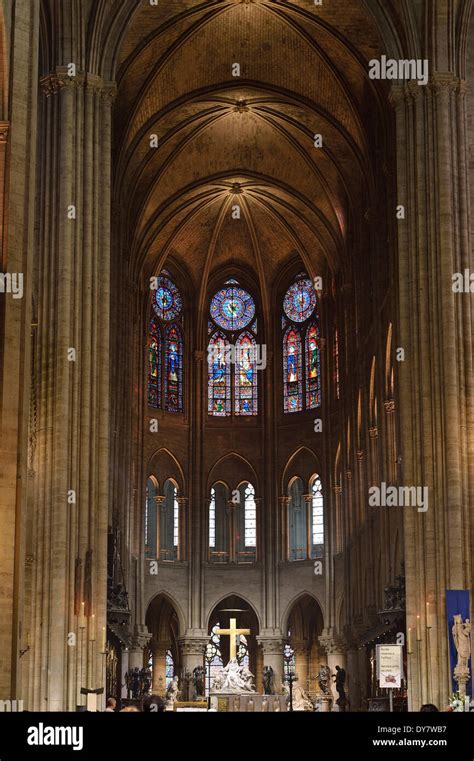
313	368
169	668
245	524
232	308
250	517
292	371
300	322
212	520
245	375
173	370
243	658
167	301
154	364
219	367
300	300
218	524
289	663
317	518
336	363
151	519
297	523
213	658
165	348
169	523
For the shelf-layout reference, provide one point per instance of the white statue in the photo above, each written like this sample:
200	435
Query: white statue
233	679
300	699
462	641
172	693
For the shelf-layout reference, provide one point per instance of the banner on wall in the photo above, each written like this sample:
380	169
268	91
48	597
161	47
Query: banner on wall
459	631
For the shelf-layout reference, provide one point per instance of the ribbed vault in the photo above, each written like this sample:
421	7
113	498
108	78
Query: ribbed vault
247	140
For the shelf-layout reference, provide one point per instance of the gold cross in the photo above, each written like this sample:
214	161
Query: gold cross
233	633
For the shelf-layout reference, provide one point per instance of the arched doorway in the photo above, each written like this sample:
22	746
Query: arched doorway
303	652
218	650
163	655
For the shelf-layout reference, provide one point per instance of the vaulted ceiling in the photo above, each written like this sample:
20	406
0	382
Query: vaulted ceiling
248	140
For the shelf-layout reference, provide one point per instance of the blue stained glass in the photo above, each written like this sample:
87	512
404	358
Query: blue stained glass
169	668
292	371
246	390
154	364
218	376
167	301
300	301
232	308
173	370
313	368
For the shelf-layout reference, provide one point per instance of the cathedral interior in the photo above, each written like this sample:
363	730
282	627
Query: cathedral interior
237	253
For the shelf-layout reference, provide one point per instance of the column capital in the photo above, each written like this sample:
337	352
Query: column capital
389	405
139	640
193	645
373	432
444	83
272	645
360	454
60	78
398	96
332	643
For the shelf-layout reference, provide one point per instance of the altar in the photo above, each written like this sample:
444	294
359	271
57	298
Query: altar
233	689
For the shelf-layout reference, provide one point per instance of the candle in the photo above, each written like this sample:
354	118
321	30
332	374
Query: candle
418	628
409	640
92	628
27	639
428	626
82	616
104	639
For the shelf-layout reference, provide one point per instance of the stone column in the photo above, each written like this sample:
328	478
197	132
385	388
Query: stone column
435	380
363	678
159	649
198	542
71	458
192	651
273	648
18	143
352	678
336	655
